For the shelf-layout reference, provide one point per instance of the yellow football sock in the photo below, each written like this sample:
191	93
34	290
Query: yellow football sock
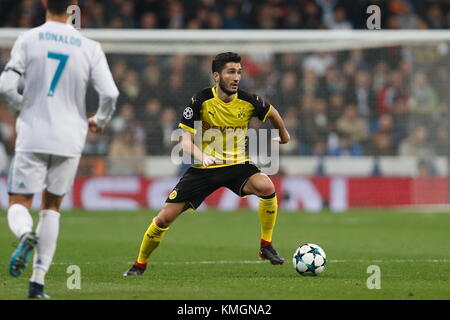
267	212
150	242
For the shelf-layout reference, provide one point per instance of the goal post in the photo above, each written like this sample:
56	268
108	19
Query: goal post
133	41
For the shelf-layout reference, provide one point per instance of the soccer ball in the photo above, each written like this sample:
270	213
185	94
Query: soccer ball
309	259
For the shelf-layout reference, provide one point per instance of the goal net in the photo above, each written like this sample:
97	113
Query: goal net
367	110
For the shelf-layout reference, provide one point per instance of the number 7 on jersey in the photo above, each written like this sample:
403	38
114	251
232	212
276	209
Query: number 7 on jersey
62	58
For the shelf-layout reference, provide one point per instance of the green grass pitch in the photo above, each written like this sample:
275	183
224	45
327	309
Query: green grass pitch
213	255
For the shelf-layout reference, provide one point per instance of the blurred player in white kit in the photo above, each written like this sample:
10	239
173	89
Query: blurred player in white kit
55	63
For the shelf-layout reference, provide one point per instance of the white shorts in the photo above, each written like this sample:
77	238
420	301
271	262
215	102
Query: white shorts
31	173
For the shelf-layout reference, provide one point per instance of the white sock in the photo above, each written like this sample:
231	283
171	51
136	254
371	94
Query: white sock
19	220
47	231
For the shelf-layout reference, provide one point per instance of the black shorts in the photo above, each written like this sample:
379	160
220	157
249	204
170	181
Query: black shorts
196	184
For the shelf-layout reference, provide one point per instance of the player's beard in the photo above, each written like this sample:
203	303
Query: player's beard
222	87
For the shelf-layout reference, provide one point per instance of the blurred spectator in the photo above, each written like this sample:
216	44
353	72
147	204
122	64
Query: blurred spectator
424	103
332	83
380	144
319	149
441	141
393	90
149	20
312	16
352	125
435	17
309	85
153	129
313	123
402	120
335	109
417	144
361	95
380	76
291	122
346	147
126	155
123	118
287	94
175	14
338	20
231	17
239	14
406	17
131	88
168	124
319	62
96	145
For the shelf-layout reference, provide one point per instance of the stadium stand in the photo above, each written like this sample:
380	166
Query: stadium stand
359	102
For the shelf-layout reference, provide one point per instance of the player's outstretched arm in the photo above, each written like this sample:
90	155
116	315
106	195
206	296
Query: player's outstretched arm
103	83
187	143
278	123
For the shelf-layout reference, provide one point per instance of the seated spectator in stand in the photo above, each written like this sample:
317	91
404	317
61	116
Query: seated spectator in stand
346	147
394	89
168	125
313	122
335	109
152	126
424	101
231	18
309	85
401	116
319	149
149	20
291	122
352	124
441	141
380	144
385	125
417	144
126	154
96	145
338	20
332	83
123	119
131	88
319	62
362	95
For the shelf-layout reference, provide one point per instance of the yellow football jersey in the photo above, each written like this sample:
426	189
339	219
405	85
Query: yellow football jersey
220	127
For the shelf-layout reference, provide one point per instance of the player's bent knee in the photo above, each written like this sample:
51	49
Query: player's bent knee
264	186
267	190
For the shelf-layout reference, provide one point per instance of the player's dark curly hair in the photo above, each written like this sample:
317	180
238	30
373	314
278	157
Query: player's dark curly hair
222	59
58	6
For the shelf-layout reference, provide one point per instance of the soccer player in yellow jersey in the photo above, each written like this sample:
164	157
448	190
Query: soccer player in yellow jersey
223	110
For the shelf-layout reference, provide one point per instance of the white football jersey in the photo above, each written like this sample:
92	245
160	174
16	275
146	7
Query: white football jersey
57	63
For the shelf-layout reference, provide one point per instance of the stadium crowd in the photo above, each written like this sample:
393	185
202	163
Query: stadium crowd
238	14
376	102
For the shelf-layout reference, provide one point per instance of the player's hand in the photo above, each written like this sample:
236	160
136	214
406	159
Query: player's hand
208	160
282	140
93	126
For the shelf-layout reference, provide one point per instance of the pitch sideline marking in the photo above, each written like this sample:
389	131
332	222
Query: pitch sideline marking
261	261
